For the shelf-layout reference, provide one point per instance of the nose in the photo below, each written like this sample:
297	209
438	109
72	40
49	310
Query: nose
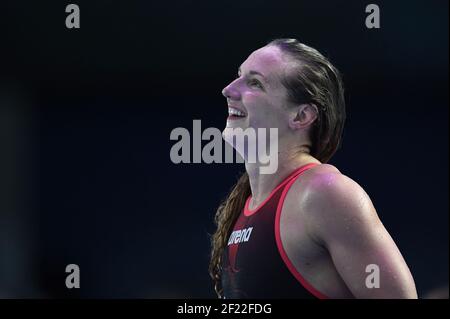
231	91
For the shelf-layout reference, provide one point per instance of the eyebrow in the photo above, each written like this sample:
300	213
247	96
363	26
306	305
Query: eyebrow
252	72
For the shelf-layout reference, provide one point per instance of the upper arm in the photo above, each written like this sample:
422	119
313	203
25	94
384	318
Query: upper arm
343	219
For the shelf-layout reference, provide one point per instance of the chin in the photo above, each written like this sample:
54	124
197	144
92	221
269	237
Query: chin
241	140
240	123
227	135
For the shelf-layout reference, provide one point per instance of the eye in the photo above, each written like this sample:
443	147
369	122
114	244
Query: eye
254	82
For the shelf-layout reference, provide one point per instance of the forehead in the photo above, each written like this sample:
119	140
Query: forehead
269	60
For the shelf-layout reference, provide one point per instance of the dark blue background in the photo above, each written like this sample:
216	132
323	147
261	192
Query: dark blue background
96	107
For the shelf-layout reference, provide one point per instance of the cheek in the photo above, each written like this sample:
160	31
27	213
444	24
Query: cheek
256	103
251	98
261	111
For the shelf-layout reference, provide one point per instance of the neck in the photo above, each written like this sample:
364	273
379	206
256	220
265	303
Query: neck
262	184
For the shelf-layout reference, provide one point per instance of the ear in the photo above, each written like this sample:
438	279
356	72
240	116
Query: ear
306	114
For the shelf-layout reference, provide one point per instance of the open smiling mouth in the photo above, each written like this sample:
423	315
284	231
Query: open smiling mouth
235	113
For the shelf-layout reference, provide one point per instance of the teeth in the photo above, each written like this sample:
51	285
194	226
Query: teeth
236	112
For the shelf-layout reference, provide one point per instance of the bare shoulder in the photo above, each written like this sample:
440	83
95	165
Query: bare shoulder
330	199
325	183
336	213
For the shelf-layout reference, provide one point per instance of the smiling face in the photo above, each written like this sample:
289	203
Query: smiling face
257	98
